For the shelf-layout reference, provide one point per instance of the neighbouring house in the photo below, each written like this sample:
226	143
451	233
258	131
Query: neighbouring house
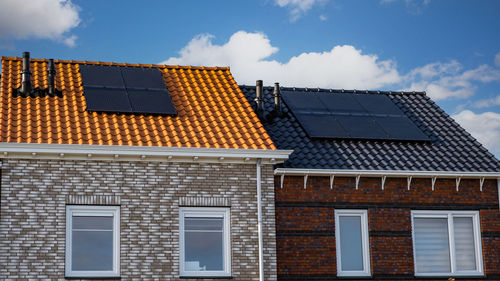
130	171
380	186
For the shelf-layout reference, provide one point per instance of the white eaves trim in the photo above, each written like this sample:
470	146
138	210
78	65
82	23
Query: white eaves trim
385	173
140	153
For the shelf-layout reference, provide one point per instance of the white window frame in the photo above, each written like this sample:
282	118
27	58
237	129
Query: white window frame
363	214
206	212
449	215
98	211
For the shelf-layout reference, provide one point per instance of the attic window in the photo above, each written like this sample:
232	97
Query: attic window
117	89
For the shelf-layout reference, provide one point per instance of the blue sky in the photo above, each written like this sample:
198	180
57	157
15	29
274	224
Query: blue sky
449	48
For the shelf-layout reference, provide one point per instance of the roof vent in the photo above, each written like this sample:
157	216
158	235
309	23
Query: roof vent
277	110
51	77
27	90
51	74
258	99
277	99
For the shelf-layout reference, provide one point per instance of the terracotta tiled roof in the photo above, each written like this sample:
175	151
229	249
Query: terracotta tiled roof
212	111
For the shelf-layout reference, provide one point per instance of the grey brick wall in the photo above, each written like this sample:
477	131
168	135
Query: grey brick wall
34	194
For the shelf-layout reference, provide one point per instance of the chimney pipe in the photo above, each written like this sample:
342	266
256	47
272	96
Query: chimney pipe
51	73
258	99
277	98
26	89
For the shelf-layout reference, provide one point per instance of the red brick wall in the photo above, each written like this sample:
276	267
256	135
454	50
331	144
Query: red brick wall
306	228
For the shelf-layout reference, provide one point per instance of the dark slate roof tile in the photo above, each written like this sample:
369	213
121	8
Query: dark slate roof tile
451	147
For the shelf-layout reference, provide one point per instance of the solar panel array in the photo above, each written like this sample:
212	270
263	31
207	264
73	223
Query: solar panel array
125	90
351	116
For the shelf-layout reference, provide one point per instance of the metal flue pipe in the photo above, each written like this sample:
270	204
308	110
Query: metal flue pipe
51	74
277	99
26	88
258	99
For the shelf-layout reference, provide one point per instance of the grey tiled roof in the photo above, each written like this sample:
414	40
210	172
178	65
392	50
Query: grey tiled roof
451	147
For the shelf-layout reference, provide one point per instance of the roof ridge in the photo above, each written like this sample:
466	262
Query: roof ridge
350	91
125	64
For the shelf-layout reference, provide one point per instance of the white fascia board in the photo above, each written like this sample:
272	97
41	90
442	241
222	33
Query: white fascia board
385	173
139	153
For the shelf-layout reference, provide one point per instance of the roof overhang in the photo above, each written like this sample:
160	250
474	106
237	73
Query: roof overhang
385	173
140	153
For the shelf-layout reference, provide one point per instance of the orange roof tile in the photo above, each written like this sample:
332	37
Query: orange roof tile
212	111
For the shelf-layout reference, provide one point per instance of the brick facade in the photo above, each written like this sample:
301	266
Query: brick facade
306	228
34	195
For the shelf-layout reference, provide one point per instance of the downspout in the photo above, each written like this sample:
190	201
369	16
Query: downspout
259	222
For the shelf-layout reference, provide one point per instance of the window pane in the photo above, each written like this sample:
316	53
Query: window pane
93	223
432	249
92	250
351	243
464	243
203	251
203	223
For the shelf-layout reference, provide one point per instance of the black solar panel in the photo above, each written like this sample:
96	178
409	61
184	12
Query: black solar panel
361	127
155	102
107	100
351	116
378	104
401	128
307	102
140	77
125	90
322	126
103	76
343	103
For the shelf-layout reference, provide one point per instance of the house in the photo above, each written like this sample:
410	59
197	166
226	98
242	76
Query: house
380	186
132	171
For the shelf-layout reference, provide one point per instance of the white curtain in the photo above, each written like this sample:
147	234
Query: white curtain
464	243
432	248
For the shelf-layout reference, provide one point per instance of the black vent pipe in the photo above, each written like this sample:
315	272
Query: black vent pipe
51	73
258	99
26	88
277	99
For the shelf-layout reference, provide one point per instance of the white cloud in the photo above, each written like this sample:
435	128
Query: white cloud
70	40
487	102
248	55
297	7
448	80
323	17
434	69
485	127
497	59
46	19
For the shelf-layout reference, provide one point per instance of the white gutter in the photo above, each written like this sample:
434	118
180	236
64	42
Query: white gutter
139	153
385	173
259	222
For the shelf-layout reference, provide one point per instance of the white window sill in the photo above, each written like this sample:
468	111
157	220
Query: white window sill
474	274
206	277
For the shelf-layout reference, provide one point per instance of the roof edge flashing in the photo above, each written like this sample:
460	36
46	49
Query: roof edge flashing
140	153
